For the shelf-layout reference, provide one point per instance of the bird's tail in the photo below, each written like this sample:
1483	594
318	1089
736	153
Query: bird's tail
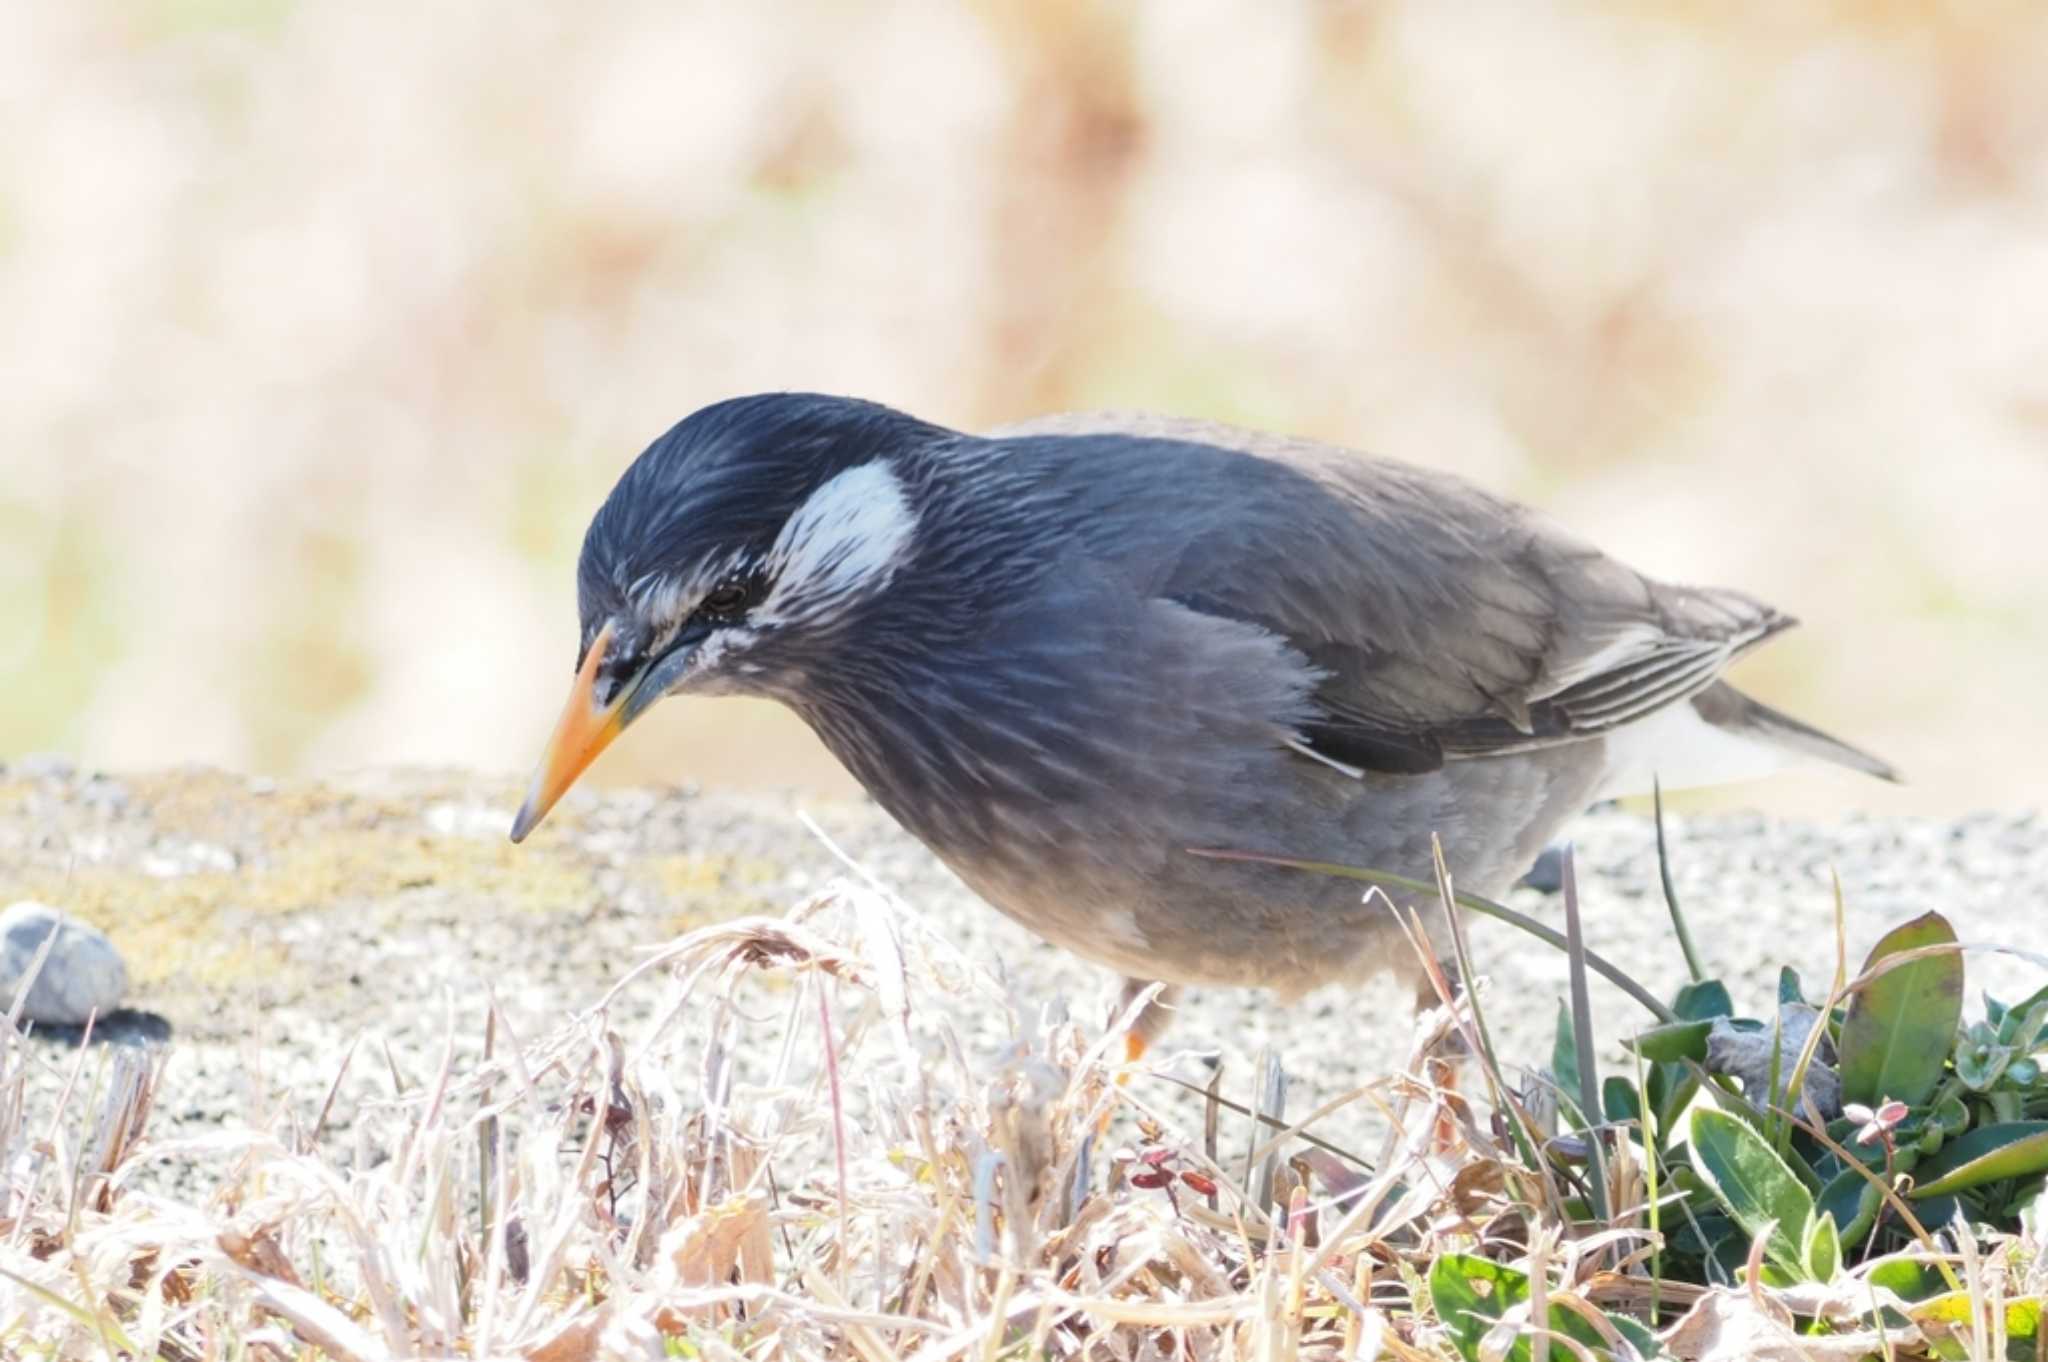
1719	736
1728	709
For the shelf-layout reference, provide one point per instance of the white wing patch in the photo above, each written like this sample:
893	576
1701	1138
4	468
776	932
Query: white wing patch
846	540
1629	642
1682	751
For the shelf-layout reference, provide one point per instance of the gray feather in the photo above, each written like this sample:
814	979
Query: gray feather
1447	623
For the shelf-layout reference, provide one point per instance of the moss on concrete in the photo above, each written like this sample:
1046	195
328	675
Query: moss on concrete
222	892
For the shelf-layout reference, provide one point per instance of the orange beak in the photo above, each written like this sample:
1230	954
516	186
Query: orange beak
584	730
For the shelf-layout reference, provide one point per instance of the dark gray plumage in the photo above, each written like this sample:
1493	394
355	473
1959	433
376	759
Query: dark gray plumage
1067	653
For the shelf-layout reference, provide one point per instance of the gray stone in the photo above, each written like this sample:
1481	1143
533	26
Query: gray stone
83	976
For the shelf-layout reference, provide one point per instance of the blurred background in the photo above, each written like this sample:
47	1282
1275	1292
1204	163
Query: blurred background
327	324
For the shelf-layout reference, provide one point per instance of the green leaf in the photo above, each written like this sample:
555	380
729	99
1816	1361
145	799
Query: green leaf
1619	1102
1469	1294
1938	1210
2004	1203
1851	1200
1703	1000
1638	1334
2024	1034
2012	1018
1902	1025
1981	1066
1472	1293
1952	1312
1749	1178
1910	1279
1672	1042
2014	1149
1979	1058
1771	1275
1671	1086
1820	1248
1788	986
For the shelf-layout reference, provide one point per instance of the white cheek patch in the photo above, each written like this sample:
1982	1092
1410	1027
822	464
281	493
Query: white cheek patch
846	540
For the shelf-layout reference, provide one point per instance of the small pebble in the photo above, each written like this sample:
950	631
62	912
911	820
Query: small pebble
45	766
1547	875
104	795
83	976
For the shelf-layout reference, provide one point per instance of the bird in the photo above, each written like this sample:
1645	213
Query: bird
1072	654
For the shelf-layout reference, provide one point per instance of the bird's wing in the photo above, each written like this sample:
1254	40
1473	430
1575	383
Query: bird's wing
1446	622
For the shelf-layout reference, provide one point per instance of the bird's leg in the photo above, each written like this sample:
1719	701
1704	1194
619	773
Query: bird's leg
1151	1022
1440	1066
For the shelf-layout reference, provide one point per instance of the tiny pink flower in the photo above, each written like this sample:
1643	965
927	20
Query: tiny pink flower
1873	1126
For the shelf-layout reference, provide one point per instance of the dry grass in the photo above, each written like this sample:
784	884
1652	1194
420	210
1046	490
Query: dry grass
799	1158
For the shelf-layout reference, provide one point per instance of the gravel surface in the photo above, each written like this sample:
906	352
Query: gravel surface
268	926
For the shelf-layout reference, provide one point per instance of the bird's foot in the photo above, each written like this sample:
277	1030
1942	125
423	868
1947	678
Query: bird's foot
1145	1009
1442	1072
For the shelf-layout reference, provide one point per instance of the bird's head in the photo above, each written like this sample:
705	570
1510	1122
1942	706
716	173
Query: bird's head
737	555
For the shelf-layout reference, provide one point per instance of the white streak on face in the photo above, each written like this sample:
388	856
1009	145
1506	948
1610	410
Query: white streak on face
665	600
709	659
845	541
706	669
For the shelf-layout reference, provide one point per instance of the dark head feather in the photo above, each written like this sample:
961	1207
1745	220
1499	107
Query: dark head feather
729	476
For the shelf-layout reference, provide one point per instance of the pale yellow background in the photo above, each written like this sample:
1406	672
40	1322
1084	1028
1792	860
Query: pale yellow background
327	324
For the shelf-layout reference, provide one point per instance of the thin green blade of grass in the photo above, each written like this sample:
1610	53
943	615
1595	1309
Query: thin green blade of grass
1582	1037
1678	923
109	1330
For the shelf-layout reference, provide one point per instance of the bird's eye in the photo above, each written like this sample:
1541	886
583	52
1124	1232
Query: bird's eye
724	600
